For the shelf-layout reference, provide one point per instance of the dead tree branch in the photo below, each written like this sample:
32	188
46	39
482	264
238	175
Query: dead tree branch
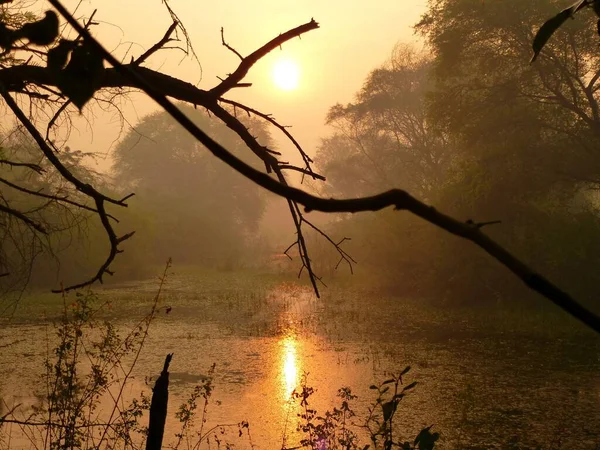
229	47
56	198
269	118
159	45
236	77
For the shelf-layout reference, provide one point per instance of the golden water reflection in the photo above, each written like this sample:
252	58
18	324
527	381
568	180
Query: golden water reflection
289	365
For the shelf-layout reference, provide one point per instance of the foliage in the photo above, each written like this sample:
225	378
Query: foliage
68	414
335	429
385	139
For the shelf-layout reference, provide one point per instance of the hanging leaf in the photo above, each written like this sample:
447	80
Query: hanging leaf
550	26
7	37
81	77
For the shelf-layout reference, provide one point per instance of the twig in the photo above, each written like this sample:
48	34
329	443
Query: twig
269	118
54	119
229	47
52	197
309	172
337	245
160	44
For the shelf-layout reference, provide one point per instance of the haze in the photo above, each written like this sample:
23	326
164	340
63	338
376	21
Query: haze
333	60
390	239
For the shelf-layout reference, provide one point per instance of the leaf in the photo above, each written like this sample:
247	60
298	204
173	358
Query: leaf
410	386
80	78
550	26
405	371
388	410
391	380
372	387
426	439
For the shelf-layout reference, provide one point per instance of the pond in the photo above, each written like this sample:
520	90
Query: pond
479	385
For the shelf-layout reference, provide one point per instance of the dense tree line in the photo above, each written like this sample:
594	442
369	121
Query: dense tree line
467	123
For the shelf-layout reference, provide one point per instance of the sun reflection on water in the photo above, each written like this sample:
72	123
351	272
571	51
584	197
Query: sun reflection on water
289	365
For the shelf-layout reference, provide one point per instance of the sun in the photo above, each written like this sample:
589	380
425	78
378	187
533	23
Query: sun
286	74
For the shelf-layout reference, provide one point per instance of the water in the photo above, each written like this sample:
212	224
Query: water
480	389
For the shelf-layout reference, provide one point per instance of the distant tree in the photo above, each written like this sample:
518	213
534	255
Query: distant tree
498	143
488	94
385	137
200	211
526	137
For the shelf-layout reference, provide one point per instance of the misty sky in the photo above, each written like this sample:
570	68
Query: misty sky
354	38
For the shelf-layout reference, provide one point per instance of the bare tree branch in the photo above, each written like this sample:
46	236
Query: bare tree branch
229	47
159	45
57	198
233	79
35	167
23	218
269	118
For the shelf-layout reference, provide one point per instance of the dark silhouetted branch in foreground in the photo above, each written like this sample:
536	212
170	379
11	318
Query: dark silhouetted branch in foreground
269	118
396	198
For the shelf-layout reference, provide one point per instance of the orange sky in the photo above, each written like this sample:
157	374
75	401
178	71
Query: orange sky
354	38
